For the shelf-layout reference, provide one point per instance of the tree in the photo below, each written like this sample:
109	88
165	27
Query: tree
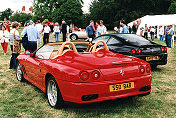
172	8
21	17
6	14
112	11
58	10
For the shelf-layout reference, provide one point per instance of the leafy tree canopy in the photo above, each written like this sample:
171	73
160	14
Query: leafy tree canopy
112	11
6	14
58	10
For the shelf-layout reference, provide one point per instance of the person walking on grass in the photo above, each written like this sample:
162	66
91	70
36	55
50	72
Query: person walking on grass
46	31
4	38
152	32
161	33
64	30
32	34
56	31
14	37
39	27
146	32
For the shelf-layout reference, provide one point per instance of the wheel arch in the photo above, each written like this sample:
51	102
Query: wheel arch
46	79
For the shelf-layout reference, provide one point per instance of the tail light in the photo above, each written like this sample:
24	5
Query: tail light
84	75
139	51
133	51
95	75
164	49
148	68
142	69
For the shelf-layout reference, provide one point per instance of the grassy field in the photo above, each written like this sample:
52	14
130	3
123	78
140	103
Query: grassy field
24	100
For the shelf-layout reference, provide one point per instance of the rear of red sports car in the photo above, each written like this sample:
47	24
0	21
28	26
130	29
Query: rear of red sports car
111	76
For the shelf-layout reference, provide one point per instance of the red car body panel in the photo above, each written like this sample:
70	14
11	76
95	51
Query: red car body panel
66	70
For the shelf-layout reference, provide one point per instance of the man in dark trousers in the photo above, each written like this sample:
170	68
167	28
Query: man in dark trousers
64	30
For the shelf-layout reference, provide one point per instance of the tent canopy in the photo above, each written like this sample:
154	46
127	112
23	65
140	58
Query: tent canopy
157	20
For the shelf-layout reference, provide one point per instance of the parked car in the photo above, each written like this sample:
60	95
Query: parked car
78	35
137	46
65	74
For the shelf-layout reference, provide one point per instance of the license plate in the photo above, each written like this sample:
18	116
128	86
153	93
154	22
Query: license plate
152	58
123	86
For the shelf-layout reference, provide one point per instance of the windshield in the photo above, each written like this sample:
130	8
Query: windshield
44	52
135	39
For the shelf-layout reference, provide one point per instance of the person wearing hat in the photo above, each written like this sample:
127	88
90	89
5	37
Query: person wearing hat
33	36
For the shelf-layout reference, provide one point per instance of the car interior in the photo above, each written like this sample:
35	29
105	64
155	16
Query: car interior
53	50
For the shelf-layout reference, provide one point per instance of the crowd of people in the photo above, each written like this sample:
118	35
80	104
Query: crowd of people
31	36
165	33
95	30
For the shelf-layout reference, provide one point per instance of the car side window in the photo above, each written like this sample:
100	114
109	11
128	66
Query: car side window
104	38
44	52
113	40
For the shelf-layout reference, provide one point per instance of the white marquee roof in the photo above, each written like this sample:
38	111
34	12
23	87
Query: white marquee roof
157	20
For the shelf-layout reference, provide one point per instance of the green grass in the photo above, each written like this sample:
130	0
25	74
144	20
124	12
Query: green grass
24	100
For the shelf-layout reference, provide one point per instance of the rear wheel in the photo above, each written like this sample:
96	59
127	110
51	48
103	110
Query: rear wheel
19	72
73	37
53	93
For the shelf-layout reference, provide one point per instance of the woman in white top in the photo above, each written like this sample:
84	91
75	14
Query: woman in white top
56	31
4	38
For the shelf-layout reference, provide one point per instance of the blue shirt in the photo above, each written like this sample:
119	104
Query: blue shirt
32	33
99	31
125	29
90	30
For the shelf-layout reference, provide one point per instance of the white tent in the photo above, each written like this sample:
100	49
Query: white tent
157	20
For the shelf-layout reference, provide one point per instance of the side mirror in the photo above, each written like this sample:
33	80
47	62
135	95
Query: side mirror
31	55
27	52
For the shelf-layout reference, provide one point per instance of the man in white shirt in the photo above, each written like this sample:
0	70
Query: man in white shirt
161	32
39	27
104	29
46	31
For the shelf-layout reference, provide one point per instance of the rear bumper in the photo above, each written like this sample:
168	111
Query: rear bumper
74	92
162	59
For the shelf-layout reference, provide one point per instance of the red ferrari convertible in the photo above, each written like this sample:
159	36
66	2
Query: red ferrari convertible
65	74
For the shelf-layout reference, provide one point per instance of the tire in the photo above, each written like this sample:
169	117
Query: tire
19	72
54	96
73	37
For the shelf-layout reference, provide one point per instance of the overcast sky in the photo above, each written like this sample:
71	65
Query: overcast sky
17	4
